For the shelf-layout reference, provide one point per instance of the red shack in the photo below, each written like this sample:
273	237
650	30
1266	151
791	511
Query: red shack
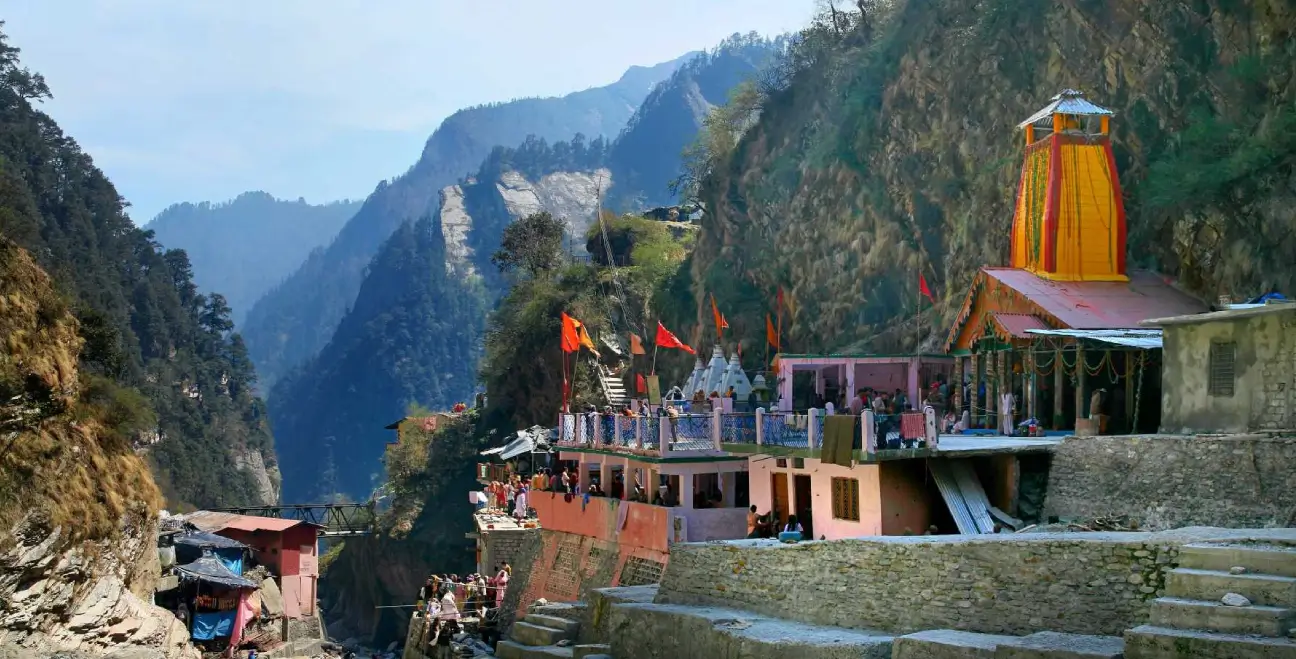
288	547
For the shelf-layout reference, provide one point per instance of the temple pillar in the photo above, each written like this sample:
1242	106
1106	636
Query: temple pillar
974	391
1058	389
605	476
1032	386
1080	382
850	382
729	488
686	490
992	389
1131	360
956	386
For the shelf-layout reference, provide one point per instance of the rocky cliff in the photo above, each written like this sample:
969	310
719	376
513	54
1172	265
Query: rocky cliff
885	146
78	536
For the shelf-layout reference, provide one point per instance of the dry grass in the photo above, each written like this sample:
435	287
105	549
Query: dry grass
58	463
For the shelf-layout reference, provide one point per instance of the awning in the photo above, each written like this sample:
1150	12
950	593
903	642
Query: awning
1142	339
1016	325
535	438
209	569
204	540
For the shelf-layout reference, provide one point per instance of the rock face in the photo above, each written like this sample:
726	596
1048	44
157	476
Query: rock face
91	598
264	477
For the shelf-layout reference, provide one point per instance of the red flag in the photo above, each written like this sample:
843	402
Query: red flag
665	339
778	301
922	288
570	338
771	337
640	385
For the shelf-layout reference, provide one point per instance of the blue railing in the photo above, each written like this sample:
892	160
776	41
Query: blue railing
738	429
786	430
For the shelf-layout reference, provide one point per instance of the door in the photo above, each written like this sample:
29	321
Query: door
781	504
801	484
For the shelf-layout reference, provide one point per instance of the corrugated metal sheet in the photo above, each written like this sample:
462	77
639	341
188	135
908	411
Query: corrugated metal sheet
214	522
1017	324
1100	304
1069	101
963	495
949	489
1145	339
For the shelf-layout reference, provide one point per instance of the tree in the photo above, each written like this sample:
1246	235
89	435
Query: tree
532	245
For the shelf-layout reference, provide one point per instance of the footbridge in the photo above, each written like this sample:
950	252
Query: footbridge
338	520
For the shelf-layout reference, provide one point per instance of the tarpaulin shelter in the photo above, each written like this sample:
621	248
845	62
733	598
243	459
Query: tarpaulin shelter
210	570
194	545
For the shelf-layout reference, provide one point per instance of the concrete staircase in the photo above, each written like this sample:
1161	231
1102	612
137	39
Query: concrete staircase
613	389
544	636
1192	621
953	644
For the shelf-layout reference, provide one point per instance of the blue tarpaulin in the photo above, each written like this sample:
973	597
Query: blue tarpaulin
193	546
209	569
216	624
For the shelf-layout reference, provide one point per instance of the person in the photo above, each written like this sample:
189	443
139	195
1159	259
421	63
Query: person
595	490
501	584
566	481
901	400
730	393
857	403
508	569
752	519
793	526
618	487
520	505
1006	403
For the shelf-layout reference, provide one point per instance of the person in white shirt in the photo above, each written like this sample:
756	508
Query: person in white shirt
793	526
1006	403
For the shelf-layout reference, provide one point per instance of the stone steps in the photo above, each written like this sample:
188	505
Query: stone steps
1218	617
1150	642
952	644
1278	560
591	651
1211	585
553	622
507	649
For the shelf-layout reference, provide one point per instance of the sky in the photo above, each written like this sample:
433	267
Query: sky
197	100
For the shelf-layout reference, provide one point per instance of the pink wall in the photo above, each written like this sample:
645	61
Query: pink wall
821	476
646	526
883	377
714	523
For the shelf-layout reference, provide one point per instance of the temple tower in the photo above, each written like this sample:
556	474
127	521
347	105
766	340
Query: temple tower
1069	222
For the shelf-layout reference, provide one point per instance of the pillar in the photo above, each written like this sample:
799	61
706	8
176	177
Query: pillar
654	480
850	382
583	470
1131	362
605	475
1080	382
914	387
974	391
1059	380
686	490
1032	386
956	386
729	488
992	390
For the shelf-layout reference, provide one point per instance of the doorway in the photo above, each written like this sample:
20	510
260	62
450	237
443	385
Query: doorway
781	503
804	499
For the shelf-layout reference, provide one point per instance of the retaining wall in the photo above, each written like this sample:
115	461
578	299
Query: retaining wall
1091	583
1169	481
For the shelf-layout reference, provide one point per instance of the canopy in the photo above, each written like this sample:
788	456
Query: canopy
1143	339
535	438
210	569
204	540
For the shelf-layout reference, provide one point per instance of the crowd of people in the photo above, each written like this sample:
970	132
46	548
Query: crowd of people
446	599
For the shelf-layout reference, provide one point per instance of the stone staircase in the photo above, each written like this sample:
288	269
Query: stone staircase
544	636
1193	620
613	389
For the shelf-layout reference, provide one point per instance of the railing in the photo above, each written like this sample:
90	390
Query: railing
662	435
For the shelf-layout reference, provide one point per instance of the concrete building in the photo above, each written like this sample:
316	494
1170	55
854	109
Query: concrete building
288	547
1231	371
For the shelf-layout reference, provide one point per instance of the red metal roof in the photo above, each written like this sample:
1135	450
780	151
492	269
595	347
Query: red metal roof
1016	324
1101	304
213	522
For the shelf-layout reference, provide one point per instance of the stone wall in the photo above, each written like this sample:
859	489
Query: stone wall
505	546
1092	583
1164	481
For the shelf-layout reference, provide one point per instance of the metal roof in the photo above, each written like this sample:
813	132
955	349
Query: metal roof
1017	324
1068	101
1228	314
214	522
1143	339
1100	304
535	438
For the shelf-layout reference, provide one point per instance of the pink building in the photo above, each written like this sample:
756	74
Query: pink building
830	375
288	547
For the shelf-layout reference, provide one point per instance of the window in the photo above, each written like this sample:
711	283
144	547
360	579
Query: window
1221	377
845	499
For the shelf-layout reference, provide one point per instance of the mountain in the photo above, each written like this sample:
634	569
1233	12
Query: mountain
295	320
157	354
645	158
885	145
244	247
414	336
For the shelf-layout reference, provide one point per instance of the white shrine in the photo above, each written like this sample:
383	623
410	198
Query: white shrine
718	376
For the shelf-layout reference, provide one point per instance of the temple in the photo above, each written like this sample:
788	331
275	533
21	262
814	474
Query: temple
1061	324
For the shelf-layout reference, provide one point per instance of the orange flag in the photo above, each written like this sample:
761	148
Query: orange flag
720	322
636	345
771	336
585	340
570	334
665	339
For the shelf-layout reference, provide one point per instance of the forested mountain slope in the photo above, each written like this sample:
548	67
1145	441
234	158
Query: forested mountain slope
645	158
296	319
156	351
885	146
245	246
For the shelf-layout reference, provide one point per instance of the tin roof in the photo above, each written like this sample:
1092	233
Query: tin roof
1101	304
1143	339
1015	325
1068	101
213	521
1250	311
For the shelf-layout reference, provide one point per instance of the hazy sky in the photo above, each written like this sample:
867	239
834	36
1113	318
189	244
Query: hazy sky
198	100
